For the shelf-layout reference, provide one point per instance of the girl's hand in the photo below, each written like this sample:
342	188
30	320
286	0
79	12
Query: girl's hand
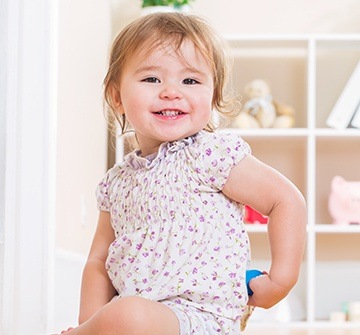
267	293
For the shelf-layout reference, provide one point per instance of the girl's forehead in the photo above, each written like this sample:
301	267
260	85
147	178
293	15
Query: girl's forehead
184	51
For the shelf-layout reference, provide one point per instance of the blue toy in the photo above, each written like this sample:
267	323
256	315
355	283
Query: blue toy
251	274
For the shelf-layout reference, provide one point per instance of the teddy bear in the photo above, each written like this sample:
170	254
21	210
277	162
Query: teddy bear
261	111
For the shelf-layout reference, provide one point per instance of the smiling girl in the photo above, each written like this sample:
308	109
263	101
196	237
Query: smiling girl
170	252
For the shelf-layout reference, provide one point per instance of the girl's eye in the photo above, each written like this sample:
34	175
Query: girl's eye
190	81
151	80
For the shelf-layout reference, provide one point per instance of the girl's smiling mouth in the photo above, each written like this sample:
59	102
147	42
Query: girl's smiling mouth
170	113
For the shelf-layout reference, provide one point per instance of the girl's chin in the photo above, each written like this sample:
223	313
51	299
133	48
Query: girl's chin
172	137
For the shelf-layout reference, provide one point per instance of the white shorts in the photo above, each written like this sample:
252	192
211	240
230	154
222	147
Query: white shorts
194	321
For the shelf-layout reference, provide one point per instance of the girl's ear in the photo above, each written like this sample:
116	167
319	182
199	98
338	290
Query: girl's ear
116	99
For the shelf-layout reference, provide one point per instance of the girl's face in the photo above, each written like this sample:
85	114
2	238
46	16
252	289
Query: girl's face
165	97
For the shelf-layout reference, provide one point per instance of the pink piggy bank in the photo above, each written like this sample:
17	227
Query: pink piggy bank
344	201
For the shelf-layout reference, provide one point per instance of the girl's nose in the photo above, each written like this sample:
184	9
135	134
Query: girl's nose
170	92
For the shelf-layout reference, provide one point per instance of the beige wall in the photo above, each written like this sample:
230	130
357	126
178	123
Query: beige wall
85	31
84	36
282	16
265	16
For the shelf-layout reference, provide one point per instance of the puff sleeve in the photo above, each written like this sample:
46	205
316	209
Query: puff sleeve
218	154
104	187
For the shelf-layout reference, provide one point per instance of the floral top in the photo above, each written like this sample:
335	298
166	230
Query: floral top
177	234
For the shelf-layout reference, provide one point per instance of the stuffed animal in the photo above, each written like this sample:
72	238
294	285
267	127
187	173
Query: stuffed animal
261	111
344	201
285	116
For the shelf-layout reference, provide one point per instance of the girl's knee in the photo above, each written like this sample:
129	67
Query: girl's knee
134	309
127	315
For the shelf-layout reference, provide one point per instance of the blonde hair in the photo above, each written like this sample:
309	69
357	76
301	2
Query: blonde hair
151	31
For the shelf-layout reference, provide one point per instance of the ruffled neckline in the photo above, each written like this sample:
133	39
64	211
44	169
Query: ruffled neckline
136	161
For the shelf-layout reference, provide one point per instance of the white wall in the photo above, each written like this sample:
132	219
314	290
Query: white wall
27	87
3	77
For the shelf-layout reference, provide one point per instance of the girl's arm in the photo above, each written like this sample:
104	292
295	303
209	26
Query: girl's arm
256	184
96	287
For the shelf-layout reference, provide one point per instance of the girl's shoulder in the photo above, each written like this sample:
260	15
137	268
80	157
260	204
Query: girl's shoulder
215	155
222	143
111	175
105	186
114	171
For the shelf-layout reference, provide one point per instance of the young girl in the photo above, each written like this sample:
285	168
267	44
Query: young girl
170	252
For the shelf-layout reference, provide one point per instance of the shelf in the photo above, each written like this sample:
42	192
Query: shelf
293	37
336	325
256	228
328	132
294	132
318	228
302	325
307	72
269	132
335	229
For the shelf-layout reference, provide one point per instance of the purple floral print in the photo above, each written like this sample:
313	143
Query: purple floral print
177	234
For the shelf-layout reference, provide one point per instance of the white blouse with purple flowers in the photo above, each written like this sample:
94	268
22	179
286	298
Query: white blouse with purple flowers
177	234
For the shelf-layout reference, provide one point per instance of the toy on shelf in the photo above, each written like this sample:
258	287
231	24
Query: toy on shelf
252	216
261	111
354	311
344	201
350	312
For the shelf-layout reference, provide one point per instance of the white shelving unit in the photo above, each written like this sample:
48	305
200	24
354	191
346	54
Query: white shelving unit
307	72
